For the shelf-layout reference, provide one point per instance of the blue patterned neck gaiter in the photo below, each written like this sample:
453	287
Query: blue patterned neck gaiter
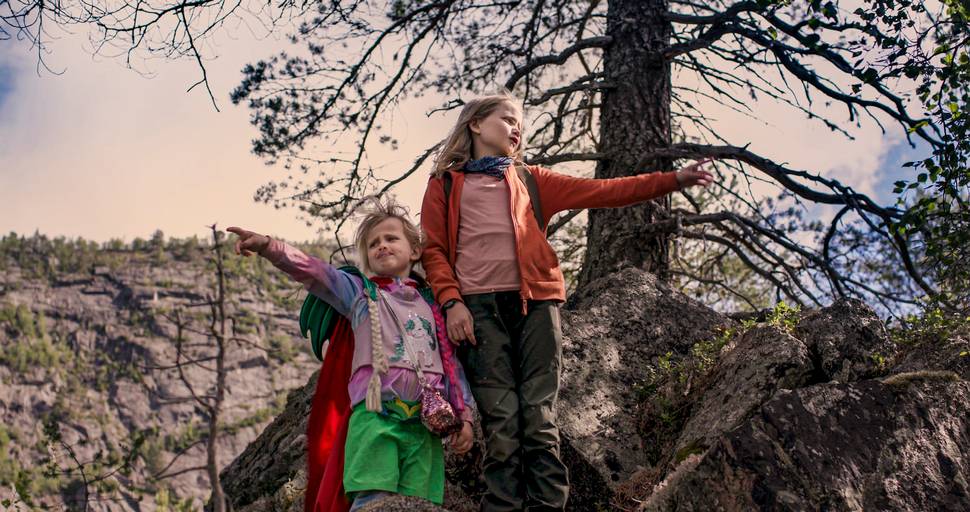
493	166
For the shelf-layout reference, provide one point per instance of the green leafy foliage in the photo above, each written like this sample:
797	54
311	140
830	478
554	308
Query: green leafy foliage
935	196
934	325
167	501
41	257
95	475
30	346
281	347
783	316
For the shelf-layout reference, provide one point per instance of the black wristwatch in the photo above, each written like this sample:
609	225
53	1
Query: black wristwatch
448	303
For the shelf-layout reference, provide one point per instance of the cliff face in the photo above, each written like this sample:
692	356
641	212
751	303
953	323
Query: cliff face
668	405
92	406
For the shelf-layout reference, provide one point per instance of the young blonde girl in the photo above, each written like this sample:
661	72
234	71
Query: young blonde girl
498	279
387	450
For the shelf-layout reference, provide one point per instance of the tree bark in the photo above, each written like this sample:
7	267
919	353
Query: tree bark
634	121
217	328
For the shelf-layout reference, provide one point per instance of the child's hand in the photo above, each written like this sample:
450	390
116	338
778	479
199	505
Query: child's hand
249	242
694	174
459	324
461	441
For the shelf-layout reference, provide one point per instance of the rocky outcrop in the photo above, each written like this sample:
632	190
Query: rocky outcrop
614	333
95	351
841	343
763	362
846	340
270	473
897	444
668	405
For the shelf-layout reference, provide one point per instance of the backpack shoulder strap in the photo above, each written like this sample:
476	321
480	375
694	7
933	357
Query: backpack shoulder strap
447	184
530	183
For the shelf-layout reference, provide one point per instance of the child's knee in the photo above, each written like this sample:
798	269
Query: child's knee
497	403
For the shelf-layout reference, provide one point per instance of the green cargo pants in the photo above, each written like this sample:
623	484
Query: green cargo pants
514	376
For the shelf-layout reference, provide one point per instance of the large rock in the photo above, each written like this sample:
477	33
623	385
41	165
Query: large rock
613	333
899	444
402	504
764	361
844	342
847	340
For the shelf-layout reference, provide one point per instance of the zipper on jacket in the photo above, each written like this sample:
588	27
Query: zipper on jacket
515	236
452	247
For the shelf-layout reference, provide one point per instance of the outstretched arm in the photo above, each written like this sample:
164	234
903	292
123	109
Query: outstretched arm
337	288
559	192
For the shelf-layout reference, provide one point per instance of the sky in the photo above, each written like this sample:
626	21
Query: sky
100	151
6	84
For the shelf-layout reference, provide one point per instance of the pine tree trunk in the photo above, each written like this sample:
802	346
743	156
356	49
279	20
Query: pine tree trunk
634	121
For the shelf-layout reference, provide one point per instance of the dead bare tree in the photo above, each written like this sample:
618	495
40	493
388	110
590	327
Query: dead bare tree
217	330
210	357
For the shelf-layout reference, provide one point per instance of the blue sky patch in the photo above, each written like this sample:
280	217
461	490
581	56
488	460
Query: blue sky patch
891	168
6	83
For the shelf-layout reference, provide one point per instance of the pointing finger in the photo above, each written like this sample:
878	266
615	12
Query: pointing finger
238	231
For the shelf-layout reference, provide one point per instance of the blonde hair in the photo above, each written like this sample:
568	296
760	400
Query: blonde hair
456	149
378	211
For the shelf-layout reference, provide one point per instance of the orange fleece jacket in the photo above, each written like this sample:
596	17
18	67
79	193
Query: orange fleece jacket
538	264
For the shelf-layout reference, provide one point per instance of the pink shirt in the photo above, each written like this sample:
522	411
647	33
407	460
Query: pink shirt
486	259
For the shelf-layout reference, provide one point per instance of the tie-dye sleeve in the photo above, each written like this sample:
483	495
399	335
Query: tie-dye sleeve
337	288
